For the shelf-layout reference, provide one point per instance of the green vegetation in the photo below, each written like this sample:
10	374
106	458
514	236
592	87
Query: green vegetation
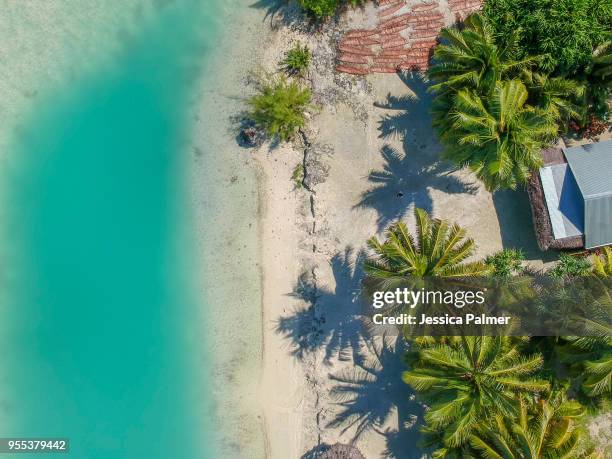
439	249
546	429
516	75
602	265
499	136
501	397
322	9
465	380
508	262
569	265
470	59
599	77
297	60
319	8
279	107
298	176
561	98
591	359
563	32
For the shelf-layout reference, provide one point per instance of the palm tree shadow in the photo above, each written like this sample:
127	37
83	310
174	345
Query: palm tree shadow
406	181
282	12
407	178
332	317
411	120
370	393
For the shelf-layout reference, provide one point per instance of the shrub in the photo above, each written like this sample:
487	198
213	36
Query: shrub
298	176
322	9
296	60
566	31
279	107
506	263
319	8
569	266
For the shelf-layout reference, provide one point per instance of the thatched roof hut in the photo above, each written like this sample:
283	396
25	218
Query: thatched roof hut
571	197
541	220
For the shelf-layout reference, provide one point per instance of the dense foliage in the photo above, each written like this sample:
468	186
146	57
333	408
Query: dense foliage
469	58
502	397
322	9
279	107
599	76
565	32
602	264
508	262
497	104
296	60
499	136
561	98
569	265
549	428
467	379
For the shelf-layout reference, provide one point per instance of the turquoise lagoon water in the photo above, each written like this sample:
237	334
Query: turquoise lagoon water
103	332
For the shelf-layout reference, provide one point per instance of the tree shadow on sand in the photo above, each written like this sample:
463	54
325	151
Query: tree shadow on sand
406	181
331	320
372	392
407	177
516	224
283	13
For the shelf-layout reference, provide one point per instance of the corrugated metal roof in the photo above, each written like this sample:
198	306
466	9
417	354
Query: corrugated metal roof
591	165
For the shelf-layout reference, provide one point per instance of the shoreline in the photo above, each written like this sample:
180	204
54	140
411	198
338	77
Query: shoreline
311	247
226	198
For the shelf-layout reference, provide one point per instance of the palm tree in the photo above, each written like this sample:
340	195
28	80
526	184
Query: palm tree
599	75
591	358
556	96
439	249
545	429
470	378
587	303
469	58
602	265
498	137
601	67
599	374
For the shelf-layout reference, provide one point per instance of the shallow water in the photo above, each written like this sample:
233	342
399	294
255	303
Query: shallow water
103	329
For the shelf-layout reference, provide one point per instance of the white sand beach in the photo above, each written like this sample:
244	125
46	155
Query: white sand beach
323	382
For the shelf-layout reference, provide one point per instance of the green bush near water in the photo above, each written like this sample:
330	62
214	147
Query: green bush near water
319	8
279	107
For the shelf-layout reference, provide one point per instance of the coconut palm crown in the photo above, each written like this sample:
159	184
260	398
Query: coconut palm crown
602	264
560	97
467	379
548	428
470	58
499	137
438	249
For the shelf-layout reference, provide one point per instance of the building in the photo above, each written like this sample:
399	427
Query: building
571	197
